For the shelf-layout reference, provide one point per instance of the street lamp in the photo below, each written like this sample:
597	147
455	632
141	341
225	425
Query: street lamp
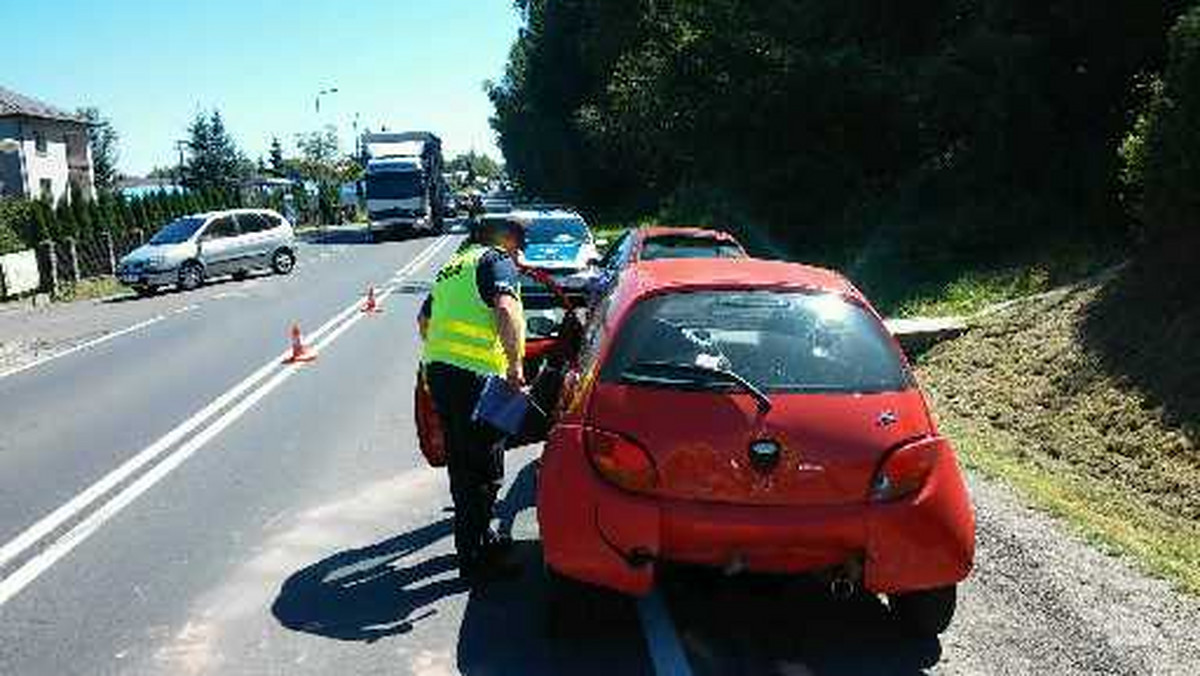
324	92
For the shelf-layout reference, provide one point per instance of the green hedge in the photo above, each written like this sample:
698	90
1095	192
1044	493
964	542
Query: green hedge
24	223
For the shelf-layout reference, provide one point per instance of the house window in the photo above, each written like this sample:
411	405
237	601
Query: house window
39	142
46	188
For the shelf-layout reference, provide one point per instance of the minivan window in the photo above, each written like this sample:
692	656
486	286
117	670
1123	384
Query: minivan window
178	231
781	341
221	228
254	222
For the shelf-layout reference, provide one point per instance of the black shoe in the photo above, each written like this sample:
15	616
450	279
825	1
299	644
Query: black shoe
491	565
497	542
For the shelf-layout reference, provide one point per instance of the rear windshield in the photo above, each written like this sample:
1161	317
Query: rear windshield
684	246
780	341
555	231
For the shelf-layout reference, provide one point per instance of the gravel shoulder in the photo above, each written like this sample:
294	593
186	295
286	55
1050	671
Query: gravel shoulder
1042	600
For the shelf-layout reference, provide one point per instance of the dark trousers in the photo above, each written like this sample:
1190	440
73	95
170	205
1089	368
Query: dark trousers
475	456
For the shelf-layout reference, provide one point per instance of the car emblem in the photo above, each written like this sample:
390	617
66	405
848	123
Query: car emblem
888	418
764	455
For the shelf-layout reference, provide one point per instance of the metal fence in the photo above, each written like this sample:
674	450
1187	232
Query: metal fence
70	261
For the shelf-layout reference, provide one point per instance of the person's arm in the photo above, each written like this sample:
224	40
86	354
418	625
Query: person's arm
510	324
423	317
499	286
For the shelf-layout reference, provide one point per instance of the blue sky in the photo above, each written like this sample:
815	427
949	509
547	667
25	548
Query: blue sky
150	65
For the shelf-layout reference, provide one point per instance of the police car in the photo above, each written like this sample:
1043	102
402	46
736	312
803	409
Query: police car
559	242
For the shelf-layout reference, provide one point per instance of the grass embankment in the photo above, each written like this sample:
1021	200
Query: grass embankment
90	289
1086	400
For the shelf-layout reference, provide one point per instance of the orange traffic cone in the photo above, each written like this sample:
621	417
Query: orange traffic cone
372	306
300	353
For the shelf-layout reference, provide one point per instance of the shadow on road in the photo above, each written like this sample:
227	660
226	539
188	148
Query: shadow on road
741	625
775	625
363	595
383	590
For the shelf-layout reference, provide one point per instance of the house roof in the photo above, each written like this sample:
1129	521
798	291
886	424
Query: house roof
13	104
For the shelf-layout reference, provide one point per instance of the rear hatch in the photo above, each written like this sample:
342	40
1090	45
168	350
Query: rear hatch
761	397
701	442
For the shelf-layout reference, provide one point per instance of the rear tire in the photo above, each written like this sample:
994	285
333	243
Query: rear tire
191	276
925	613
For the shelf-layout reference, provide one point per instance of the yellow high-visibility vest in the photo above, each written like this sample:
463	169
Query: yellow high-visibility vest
462	328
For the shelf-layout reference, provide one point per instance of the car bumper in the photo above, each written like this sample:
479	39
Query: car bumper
595	532
147	277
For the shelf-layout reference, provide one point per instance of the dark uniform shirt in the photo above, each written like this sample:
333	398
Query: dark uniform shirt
495	275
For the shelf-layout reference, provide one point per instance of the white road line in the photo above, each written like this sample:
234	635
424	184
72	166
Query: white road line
666	652
72	508
83	346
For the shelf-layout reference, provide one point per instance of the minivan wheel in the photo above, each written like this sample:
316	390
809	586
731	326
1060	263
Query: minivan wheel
925	613
191	276
283	262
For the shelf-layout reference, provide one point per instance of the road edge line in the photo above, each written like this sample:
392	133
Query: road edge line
86	345
662	641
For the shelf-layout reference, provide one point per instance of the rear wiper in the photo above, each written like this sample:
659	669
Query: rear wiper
760	397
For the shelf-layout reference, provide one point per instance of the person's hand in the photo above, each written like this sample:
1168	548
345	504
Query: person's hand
516	375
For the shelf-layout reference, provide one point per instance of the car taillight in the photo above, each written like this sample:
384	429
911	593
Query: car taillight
620	461
904	471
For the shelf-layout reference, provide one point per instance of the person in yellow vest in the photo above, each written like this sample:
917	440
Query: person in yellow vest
473	326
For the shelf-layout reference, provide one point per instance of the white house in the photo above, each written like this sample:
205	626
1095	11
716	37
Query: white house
43	150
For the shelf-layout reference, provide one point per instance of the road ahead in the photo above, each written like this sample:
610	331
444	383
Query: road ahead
174	500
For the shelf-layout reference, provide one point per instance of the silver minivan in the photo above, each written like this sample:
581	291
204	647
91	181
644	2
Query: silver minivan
193	248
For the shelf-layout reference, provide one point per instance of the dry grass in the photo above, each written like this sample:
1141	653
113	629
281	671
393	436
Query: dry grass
1043	395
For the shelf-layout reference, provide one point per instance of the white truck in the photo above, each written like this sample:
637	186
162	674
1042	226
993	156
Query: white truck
403	186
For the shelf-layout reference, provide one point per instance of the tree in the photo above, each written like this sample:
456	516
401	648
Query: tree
1159	155
214	161
103	138
477	165
277	167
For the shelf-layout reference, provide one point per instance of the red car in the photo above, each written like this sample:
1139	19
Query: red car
659	242
750	415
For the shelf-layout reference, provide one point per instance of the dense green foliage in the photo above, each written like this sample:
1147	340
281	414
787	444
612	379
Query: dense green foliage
1162	153
477	166
811	124
214	161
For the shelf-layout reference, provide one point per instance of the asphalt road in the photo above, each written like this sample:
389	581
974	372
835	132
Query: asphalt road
173	500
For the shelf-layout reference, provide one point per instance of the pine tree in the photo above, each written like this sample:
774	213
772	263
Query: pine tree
277	167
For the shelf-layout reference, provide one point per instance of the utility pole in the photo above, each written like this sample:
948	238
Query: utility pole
324	92
180	145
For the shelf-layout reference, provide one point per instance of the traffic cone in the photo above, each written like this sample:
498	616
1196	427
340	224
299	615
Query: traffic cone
372	306
300	353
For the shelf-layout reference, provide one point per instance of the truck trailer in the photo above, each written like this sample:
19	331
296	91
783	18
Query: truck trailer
403	186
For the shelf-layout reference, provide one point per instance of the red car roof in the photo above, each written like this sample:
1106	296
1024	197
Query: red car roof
650	277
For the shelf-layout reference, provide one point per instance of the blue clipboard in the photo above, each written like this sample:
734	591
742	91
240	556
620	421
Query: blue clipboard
501	406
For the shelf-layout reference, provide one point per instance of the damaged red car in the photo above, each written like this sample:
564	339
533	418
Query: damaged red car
754	416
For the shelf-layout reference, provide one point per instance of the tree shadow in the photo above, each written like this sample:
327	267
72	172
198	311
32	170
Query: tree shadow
1144	327
363	595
